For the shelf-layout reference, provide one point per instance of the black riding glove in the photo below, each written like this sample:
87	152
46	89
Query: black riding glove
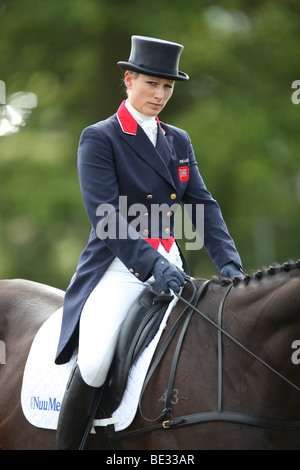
231	270
168	276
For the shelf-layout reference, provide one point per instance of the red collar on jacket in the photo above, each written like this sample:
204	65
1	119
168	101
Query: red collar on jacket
127	122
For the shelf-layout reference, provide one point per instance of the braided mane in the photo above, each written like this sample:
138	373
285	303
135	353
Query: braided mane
260	274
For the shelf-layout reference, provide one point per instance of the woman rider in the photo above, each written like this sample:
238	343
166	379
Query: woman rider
130	156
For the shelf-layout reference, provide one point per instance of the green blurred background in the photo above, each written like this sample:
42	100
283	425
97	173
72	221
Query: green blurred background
242	58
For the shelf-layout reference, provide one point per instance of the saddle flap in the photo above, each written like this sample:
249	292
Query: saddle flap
138	329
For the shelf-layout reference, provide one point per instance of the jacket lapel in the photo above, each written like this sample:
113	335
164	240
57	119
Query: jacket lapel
157	157
164	145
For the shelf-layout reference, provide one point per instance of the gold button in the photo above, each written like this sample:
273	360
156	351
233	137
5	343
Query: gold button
131	270
146	214
167	231
146	232
149	196
169	214
173	196
137	274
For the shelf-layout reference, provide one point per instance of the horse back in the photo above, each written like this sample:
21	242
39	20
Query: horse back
24	306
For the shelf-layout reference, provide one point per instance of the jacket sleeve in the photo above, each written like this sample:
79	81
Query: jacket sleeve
217	240
100	193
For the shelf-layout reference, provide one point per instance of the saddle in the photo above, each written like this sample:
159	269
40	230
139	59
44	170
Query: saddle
138	329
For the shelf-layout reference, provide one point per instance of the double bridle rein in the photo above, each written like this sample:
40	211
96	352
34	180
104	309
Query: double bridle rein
203	417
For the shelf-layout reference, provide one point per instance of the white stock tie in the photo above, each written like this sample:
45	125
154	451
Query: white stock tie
150	128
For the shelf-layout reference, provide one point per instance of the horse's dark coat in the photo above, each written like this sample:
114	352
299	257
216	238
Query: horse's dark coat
262	312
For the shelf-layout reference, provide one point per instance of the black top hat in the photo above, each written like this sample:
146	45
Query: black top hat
154	57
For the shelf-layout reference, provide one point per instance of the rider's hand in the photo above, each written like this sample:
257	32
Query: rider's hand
168	276
231	270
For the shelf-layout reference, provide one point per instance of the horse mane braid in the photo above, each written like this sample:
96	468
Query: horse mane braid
260	274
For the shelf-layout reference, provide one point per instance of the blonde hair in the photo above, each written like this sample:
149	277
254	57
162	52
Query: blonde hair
134	76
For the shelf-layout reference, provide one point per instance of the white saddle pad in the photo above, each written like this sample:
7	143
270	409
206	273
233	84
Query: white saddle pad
44	382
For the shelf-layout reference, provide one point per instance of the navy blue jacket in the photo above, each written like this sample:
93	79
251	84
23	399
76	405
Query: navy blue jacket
116	158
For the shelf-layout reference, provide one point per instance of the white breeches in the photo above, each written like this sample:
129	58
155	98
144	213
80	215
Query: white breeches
103	314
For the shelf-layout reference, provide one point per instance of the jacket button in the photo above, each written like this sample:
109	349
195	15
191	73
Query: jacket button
146	232
131	270
137	274
169	214
173	196
167	231
149	196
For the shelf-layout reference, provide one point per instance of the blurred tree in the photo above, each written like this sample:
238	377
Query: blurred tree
242	58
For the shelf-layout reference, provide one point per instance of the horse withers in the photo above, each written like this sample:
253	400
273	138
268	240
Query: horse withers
234	384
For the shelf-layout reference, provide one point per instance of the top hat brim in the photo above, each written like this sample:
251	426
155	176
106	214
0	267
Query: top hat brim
154	73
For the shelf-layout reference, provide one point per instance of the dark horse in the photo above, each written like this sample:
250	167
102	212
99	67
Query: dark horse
235	385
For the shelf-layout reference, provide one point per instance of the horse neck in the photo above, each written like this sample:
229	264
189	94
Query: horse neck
274	297
264	316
